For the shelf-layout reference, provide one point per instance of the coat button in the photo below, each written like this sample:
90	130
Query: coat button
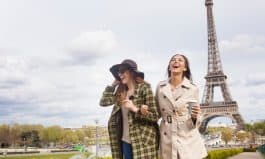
165	133
165	97
174	111
163	109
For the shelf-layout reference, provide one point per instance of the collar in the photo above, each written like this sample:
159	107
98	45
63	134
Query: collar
186	83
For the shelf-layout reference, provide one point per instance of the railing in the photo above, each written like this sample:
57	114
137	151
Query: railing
221	107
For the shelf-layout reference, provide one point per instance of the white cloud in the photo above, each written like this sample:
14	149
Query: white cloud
12	71
92	44
244	44
255	79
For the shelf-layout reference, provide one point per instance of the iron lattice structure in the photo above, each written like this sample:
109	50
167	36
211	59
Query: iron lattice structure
216	78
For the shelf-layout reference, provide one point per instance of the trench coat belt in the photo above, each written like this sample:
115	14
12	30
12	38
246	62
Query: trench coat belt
167	118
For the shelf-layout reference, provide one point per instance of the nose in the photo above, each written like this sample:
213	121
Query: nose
175	61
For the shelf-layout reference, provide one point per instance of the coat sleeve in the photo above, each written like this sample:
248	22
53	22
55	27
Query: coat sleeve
108	97
149	100
157	103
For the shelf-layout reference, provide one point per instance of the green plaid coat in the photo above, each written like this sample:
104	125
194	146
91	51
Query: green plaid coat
143	130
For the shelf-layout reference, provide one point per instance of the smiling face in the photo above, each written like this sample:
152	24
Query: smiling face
177	65
179	62
125	75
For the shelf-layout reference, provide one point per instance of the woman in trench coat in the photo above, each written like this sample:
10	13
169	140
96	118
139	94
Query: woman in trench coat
179	135
133	135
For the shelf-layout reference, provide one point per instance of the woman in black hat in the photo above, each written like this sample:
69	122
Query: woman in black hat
133	135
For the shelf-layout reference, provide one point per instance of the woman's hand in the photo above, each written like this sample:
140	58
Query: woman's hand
144	110
195	111
129	105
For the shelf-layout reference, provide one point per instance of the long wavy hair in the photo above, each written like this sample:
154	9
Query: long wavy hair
123	88
187	73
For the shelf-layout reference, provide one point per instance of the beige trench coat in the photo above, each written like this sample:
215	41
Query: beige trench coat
180	138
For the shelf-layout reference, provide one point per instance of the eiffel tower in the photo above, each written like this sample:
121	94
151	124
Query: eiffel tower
216	78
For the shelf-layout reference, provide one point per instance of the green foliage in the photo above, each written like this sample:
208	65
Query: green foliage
250	149
31	138
248	127
4	135
54	133
259	128
223	154
70	137
227	135
16	135
52	156
213	130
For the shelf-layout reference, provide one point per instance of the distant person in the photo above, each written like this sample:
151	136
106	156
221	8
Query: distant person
179	135
133	135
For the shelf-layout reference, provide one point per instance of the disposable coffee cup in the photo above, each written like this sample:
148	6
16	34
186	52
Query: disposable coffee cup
192	103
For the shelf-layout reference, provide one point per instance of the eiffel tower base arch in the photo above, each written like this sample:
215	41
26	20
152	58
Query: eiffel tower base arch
235	117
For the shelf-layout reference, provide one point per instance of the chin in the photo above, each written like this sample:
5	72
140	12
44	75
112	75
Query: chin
123	82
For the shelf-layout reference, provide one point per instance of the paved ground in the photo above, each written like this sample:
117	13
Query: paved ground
247	155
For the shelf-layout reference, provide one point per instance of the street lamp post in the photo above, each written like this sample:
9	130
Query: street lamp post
24	141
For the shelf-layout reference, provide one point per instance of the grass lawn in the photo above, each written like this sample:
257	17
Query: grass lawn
50	156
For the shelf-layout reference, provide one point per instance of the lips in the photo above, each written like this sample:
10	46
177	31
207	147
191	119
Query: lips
175	66
122	78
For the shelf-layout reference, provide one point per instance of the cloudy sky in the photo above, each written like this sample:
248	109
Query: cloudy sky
55	54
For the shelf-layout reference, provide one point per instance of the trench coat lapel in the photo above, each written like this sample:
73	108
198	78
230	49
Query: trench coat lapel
166	90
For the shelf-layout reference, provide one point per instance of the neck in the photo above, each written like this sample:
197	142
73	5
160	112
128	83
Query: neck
131	85
176	79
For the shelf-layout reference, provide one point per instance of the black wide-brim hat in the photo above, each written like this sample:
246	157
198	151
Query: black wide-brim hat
130	64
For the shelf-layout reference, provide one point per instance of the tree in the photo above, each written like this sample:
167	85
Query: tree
35	139
4	136
54	133
251	134
15	133
226	135
69	137
248	127
80	135
259	128
44	137
25	138
242	136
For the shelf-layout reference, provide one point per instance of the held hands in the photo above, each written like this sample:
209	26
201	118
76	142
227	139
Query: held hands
144	110
195	111
129	105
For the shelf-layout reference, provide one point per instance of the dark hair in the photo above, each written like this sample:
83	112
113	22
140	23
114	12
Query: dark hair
187	73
